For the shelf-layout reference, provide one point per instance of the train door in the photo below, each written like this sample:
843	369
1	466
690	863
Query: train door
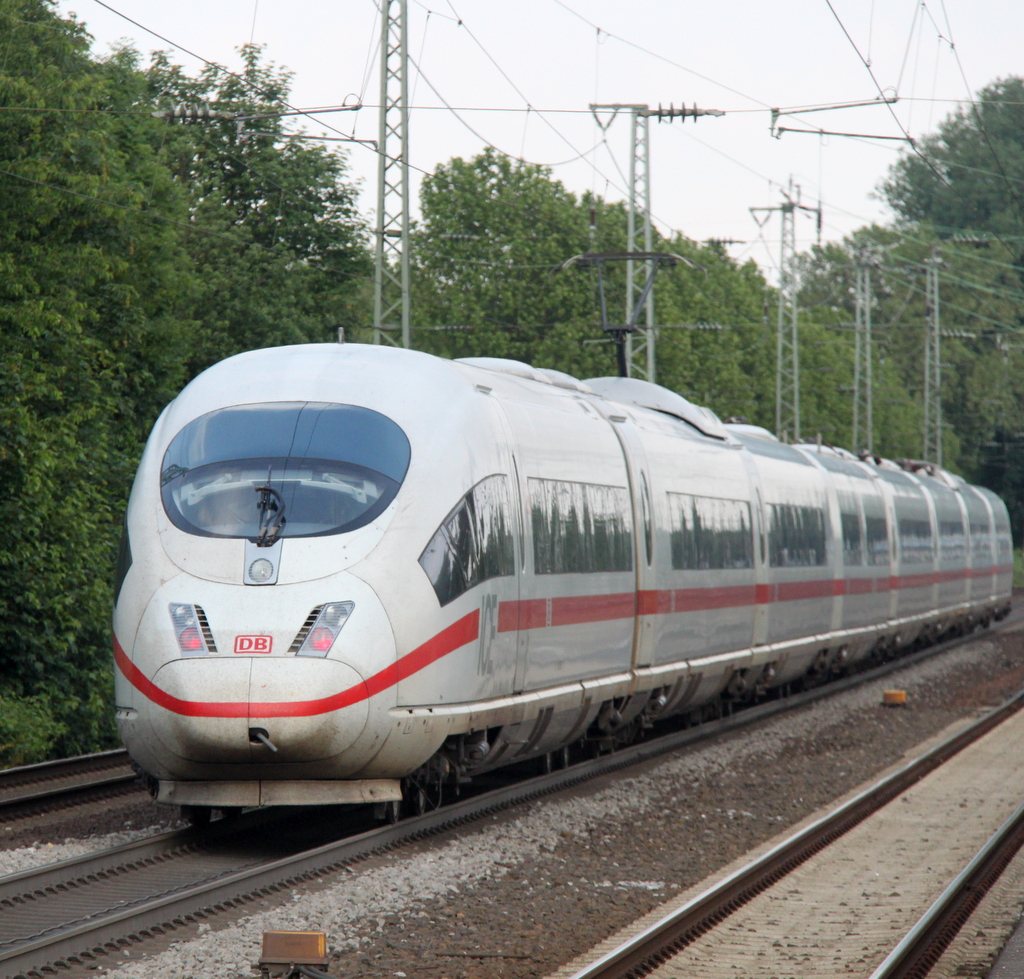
577	602
638	471
760	529
499	625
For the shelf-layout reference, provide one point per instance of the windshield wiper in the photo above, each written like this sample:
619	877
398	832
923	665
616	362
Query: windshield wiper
171	473
270	507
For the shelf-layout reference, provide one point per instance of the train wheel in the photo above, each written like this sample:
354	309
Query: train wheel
418	800
388	812
421	795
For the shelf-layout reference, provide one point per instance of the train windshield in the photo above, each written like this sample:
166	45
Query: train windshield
333	468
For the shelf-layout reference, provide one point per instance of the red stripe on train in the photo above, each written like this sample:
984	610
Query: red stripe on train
464	631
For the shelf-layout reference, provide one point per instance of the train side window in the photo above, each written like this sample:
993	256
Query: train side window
796	536
980	541
916	546
877	537
580	528
124	560
709	533
853	552
1004	540
952	542
474	543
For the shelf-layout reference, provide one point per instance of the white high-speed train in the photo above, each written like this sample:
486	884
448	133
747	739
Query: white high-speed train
350	569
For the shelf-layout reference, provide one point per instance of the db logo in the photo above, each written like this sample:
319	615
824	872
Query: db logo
253	644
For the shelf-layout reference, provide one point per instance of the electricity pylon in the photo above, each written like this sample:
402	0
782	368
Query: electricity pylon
863	387
932	449
391	313
640	349
787	366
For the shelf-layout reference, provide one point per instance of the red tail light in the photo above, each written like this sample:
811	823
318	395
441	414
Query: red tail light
321	638
191	640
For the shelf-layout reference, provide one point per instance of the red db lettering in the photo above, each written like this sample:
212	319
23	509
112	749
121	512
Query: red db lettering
253	644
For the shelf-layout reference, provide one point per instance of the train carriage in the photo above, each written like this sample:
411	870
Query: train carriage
350	570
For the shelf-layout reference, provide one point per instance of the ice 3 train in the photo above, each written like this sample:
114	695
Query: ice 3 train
350	571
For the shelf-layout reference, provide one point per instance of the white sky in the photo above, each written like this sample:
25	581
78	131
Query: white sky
743	56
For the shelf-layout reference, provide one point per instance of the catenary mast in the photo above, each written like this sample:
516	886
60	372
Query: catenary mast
391	312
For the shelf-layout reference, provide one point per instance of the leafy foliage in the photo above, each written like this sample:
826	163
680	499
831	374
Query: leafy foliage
133	254
86	281
28	729
968	176
277	246
487	283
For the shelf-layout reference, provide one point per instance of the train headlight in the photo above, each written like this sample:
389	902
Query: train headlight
330	620
190	641
186	630
260	571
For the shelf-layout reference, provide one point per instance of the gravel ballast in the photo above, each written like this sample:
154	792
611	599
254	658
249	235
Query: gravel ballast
520	894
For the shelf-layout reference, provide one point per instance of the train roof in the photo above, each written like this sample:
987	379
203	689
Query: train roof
268	374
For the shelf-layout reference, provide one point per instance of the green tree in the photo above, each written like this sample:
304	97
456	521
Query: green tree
88	348
983	386
277	244
970	174
493	235
493	232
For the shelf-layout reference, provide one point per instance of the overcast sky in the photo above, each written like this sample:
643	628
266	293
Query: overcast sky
555	57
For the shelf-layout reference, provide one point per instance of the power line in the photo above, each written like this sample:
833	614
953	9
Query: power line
212	64
654	54
881	92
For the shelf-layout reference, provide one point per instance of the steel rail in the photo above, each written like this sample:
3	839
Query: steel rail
28	789
922	946
659	942
96	931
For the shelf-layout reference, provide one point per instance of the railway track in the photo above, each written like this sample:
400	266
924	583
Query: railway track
654	947
83	909
922	947
31	789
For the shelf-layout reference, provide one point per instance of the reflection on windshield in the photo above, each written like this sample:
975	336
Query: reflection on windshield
206	492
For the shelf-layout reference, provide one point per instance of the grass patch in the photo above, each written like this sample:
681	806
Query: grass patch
1018	568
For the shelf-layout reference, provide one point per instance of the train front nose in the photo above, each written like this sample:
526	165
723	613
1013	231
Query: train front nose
254	683
250	710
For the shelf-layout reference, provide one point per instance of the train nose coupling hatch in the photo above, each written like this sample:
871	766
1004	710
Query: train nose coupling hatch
260	735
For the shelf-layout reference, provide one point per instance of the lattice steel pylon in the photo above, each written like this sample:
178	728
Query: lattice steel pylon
640	347
932	448
391	299
863	387
787	367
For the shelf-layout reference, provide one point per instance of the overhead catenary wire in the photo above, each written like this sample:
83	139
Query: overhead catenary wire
450	108
910	140
212	64
978	120
660	57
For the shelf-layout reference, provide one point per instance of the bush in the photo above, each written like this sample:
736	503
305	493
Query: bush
28	729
